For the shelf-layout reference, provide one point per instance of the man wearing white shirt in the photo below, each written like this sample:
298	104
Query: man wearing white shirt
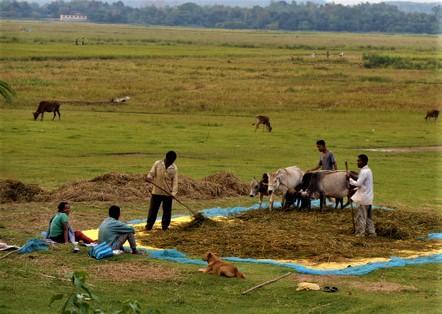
364	198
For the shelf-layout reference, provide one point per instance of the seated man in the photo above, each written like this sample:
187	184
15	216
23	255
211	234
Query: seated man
116	233
59	229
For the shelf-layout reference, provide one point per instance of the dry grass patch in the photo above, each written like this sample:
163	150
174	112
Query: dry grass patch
45	265
133	271
354	283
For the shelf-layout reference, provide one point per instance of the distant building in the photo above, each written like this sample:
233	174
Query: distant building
73	18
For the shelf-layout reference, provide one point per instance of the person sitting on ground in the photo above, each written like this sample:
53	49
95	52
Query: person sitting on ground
116	233
327	160
59	229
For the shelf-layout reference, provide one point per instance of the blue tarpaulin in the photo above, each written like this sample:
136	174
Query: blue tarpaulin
435	236
172	255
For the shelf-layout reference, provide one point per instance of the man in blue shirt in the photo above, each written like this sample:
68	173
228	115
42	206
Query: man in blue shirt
116	233
327	160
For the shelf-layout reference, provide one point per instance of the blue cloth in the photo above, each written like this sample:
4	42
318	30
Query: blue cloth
101	251
172	255
33	245
435	236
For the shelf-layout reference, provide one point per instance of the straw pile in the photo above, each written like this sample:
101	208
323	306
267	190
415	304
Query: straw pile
122	187
16	191
319	237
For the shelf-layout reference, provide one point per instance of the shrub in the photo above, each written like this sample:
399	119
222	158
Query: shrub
396	62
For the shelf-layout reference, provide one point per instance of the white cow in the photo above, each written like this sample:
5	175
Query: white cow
282	181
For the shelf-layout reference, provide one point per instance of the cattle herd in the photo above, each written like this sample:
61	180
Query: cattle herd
298	188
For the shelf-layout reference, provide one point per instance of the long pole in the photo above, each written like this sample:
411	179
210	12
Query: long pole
351	203
174	197
266	283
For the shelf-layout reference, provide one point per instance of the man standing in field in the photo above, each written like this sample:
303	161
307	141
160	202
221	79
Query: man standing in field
364	198
164	176
327	160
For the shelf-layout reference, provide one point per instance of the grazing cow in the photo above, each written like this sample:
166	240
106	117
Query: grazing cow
47	106
323	184
265	121
432	114
282	182
260	188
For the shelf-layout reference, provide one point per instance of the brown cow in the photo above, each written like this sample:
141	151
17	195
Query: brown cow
47	106
265	121
432	114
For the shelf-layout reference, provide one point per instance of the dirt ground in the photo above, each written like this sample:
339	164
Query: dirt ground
415	149
353	282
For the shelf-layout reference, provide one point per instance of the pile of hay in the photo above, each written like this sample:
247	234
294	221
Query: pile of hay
123	187
16	191
319	237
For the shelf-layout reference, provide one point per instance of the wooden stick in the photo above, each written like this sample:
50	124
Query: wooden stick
7	254
351	203
267	283
174	197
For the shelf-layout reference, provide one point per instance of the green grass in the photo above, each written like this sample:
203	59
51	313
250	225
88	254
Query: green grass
197	91
199	293
51	153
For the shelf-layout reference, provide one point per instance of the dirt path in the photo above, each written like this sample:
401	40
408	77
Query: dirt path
409	149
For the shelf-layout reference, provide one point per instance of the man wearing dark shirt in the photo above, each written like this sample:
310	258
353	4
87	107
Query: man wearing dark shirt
327	160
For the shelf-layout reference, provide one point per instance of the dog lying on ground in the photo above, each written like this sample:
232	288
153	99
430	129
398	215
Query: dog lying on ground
218	267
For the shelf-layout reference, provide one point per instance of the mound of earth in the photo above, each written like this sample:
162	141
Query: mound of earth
16	191
316	236
123	187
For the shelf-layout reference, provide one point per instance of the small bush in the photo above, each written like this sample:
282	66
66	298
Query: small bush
396	62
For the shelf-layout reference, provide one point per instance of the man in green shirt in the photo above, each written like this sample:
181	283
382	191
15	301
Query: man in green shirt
116	233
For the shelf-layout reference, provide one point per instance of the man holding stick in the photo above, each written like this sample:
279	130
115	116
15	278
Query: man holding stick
364	198
164	178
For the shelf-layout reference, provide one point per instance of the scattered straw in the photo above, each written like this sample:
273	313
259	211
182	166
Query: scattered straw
318	237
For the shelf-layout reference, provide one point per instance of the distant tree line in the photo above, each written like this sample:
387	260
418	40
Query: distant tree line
277	16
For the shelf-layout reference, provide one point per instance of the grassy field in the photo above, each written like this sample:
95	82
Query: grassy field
52	153
197	91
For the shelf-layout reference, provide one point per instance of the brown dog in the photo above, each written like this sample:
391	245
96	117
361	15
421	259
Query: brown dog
219	267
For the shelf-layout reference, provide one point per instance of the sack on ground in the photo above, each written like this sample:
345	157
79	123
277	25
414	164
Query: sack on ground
101	251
